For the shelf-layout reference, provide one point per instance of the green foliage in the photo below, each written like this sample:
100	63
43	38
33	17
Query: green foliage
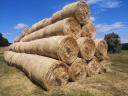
3	41
125	46
114	42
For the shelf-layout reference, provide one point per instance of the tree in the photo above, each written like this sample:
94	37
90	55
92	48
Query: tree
114	42
125	46
3	41
0	36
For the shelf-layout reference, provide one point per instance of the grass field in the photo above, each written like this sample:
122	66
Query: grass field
14	83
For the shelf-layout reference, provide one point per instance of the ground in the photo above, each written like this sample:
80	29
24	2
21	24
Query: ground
14	83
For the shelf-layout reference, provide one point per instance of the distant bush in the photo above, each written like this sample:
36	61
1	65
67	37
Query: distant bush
114	42
3	41
125	46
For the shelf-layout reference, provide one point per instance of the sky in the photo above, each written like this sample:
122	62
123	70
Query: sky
107	15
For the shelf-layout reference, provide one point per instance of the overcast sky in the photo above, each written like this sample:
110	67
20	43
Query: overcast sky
107	15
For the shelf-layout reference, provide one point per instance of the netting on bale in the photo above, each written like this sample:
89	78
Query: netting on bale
46	72
77	70
63	48
68	26
87	48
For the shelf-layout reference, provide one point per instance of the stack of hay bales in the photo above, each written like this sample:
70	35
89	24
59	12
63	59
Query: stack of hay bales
60	49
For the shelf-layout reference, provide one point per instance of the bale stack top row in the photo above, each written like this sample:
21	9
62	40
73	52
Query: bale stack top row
60	49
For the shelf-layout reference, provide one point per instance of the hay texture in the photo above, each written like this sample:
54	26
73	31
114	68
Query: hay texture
94	67
41	24
89	30
46	72
23	33
77	70
87	48
101	49
17	39
63	48
106	63
68	26
79	10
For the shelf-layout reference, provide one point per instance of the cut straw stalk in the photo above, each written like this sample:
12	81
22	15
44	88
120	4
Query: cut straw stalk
62	48
46	72
68	26
87	48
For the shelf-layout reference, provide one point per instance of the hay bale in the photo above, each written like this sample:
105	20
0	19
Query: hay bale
106	63
87	48
77	70
101	49
94	67
79	10
62	48
23	33
17	39
68	26
89	30
41	24
46	72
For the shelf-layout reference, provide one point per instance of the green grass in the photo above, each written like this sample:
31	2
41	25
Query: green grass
120	61
13	82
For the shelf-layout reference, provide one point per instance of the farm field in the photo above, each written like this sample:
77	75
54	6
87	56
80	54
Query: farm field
13	82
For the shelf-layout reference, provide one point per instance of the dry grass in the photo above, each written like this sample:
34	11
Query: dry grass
14	83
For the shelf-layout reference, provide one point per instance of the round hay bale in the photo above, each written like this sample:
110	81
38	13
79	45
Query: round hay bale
62	48
41	24
89	30
106	63
17	39
94	67
79	10
101	49
77	70
25	32
68	26
46	72
87	48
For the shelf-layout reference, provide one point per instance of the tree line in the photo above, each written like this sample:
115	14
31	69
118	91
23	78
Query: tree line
3	41
114	43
